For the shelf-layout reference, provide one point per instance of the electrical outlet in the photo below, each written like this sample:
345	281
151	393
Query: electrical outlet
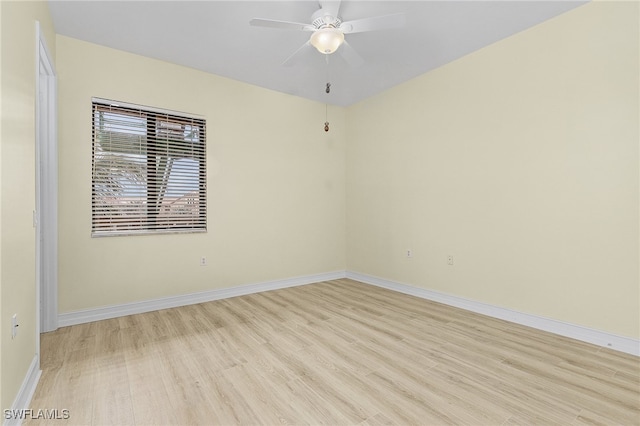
203	261
450	260
14	326
409	253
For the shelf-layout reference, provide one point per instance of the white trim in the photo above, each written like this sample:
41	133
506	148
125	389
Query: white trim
46	190
28	388
578	332
114	311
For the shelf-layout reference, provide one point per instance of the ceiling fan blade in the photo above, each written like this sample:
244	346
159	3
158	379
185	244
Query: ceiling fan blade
350	55
375	23
284	25
292	60
330	7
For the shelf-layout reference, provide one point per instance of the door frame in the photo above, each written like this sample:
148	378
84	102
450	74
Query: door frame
46	214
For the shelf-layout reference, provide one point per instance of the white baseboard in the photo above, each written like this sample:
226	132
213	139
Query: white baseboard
585	334
114	311
23	398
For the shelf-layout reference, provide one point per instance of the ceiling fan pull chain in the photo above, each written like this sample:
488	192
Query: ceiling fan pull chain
326	118
327	90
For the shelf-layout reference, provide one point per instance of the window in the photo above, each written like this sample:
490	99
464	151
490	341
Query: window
149	171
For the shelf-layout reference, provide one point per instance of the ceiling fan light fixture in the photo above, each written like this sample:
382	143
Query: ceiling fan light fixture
327	40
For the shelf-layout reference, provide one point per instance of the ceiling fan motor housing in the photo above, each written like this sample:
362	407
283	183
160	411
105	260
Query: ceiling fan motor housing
320	19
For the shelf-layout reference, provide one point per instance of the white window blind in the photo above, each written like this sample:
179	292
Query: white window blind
149	171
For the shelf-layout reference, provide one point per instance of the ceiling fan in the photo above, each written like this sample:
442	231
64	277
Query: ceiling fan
328	30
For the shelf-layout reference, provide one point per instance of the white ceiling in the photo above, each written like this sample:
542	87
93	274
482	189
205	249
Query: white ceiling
215	36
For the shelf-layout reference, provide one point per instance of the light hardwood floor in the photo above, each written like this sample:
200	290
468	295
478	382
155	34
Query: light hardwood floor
338	352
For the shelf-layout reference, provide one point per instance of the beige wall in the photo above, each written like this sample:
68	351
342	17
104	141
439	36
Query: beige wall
17	191
521	161
276	184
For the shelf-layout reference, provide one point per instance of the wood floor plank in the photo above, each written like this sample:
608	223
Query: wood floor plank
337	352
377	420
112	402
259	394
314	408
